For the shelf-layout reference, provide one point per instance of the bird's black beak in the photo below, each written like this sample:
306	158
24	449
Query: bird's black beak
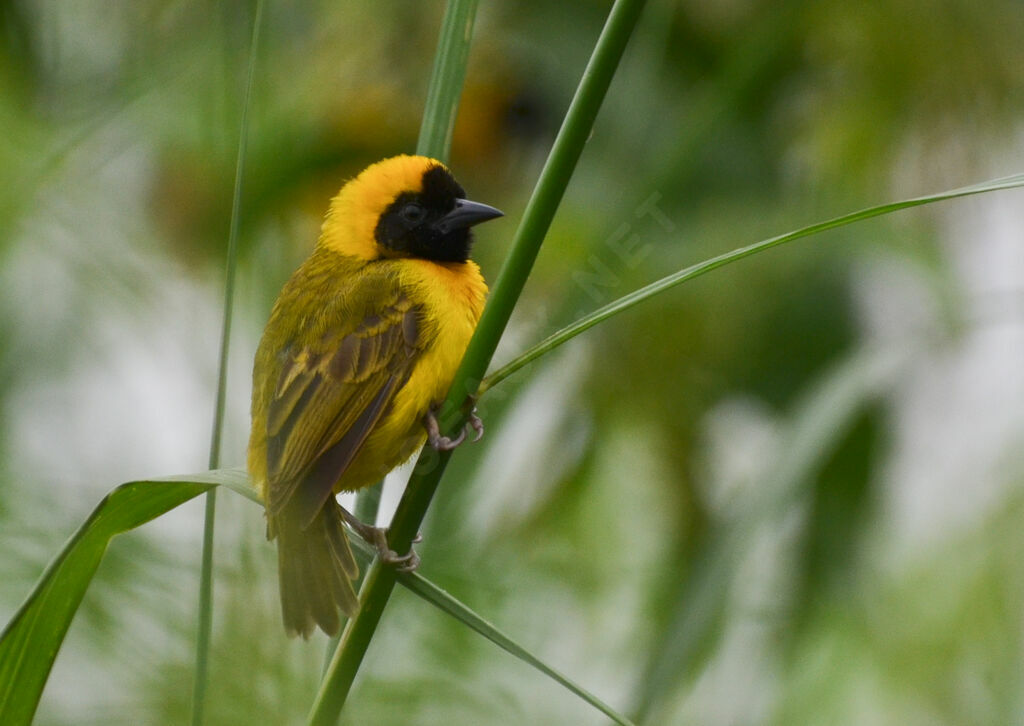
466	214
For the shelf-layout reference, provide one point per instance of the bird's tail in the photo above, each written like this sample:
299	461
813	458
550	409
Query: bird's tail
316	569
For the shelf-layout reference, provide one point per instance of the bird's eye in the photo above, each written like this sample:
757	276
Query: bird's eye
413	213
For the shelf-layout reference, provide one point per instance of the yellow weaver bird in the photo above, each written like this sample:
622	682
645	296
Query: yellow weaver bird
361	347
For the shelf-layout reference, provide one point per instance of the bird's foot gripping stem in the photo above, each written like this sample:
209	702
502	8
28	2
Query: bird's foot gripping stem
378	537
443	443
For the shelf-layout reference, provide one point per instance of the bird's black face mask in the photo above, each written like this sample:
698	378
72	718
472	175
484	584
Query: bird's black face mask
433	224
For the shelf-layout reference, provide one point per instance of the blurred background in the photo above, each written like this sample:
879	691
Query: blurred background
790	491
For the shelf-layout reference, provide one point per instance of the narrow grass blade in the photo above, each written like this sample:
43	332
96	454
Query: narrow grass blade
204	620
412	508
30	641
442	600
446	80
635	298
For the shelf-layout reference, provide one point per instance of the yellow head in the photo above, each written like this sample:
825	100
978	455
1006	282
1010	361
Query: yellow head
405	206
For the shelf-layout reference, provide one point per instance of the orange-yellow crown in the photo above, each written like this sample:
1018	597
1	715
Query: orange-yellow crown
352	217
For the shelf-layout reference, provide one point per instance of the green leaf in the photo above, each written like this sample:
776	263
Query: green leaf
31	640
444	601
659	286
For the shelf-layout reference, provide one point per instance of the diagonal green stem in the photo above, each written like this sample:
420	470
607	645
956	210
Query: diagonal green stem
537	218
205	620
635	298
539	212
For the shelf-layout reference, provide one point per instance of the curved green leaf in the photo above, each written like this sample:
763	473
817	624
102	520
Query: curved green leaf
445	602
448	604
669	281
29	643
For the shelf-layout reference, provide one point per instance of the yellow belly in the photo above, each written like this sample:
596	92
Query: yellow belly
452	297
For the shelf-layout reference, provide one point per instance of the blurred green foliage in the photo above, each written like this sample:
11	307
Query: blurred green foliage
887	591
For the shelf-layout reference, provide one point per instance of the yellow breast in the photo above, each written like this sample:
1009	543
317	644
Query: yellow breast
452	297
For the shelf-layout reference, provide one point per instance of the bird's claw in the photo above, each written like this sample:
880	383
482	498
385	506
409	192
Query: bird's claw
477	424
408	562
444	443
403	563
378	537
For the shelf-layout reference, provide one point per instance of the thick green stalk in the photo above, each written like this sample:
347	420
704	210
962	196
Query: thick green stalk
539	212
205	615
537	219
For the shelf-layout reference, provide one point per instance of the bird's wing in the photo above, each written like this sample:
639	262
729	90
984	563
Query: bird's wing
329	396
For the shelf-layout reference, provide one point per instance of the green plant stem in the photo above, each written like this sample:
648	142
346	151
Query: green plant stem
204	625
635	298
204	622
537	219
539	212
446	80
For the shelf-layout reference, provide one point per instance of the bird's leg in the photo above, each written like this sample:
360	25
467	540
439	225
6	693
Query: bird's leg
439	442
378	537
443	443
